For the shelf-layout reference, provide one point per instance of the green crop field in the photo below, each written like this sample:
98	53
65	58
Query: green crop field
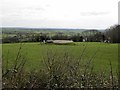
100	53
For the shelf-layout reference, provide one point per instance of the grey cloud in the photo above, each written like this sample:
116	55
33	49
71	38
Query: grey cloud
22	11
94	13
35	8
31	9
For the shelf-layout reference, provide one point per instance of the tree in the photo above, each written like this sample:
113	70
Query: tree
113	33
14	39
92	35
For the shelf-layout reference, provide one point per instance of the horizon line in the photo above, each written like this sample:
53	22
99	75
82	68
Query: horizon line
48	27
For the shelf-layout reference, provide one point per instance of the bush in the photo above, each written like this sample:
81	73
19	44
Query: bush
14	39
60	70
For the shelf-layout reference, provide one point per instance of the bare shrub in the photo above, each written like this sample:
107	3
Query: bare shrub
60	70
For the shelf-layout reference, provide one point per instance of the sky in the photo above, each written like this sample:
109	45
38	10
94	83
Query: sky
87	14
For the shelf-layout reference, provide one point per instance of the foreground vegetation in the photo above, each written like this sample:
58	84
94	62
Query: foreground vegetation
80	65
60	68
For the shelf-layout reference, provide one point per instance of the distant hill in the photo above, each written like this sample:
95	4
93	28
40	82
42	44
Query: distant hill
19	29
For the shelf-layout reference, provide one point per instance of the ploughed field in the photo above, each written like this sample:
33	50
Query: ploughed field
99	54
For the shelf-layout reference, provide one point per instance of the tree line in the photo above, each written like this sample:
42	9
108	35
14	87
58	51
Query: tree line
109	35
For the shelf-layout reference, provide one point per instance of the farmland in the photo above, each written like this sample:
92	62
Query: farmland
50	58
34	53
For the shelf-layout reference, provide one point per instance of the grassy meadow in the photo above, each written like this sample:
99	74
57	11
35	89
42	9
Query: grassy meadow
99	53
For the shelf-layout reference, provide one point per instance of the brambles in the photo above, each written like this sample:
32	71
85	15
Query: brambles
59	71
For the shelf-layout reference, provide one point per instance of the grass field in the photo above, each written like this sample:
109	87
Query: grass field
101	53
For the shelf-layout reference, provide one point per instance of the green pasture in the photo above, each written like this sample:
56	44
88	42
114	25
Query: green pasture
100	53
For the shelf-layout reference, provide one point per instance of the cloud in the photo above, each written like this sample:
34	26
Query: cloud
94	13
59	13
23	13
34	8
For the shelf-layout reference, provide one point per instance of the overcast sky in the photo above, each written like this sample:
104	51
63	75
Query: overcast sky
99	14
